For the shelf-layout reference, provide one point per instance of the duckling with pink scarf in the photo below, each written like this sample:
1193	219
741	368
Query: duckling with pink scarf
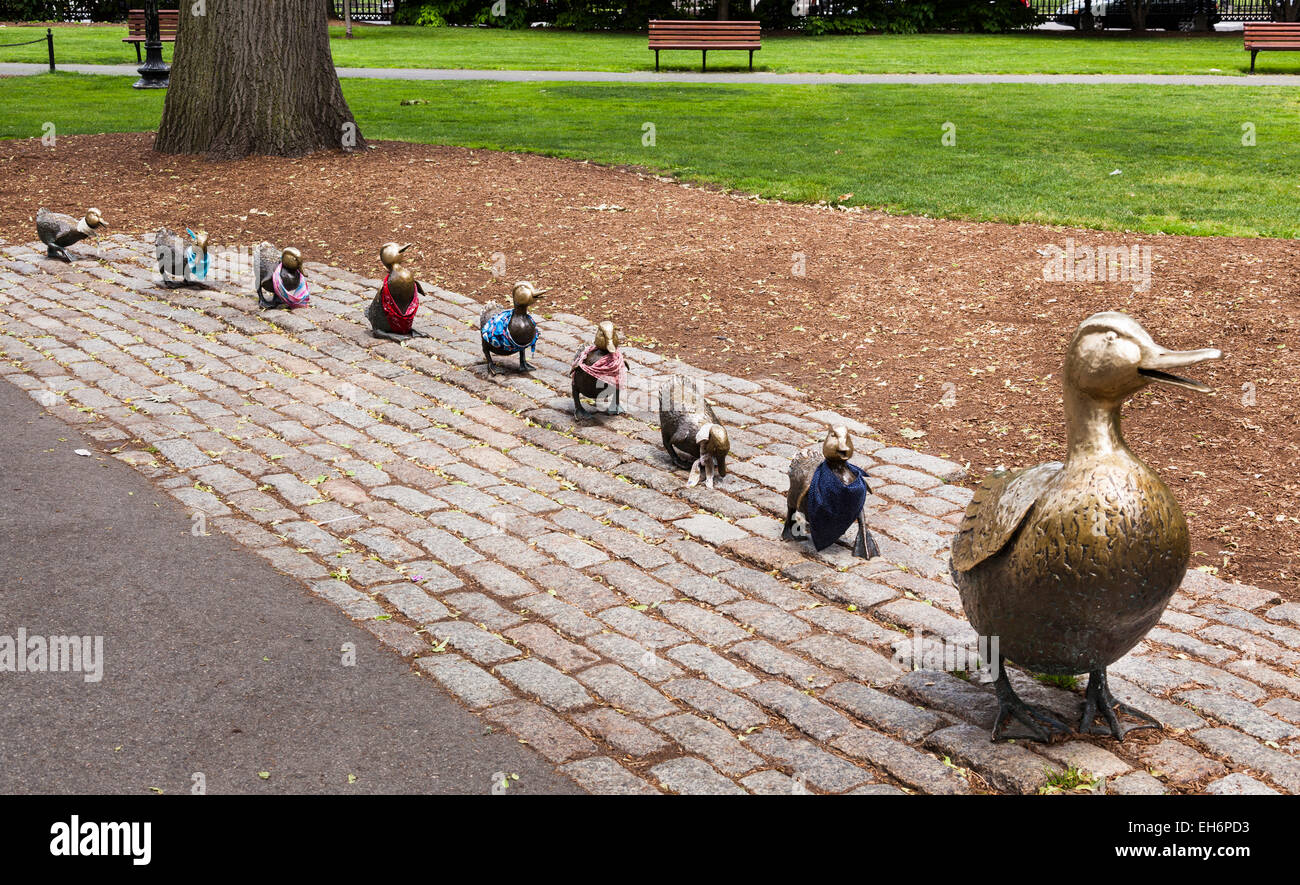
599	369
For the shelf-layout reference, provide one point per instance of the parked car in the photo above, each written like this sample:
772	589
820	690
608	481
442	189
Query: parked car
1168	15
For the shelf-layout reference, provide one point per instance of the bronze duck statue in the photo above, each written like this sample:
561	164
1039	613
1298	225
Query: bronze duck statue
693	435
830	493
279	279
598	368
392	310
58	231
182	263
506	331
1069	565
391	254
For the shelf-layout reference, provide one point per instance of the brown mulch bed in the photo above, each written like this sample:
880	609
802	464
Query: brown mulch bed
892	314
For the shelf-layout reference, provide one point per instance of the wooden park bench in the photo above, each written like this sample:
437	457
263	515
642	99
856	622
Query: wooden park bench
168	21
1261	36
704	35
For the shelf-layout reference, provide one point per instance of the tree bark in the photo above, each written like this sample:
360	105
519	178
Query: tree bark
1137	11
255	78
724	10
347	16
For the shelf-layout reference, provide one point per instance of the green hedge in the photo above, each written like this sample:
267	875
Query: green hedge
826	17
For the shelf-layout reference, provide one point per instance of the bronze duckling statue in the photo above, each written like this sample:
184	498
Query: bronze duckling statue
598	368
58	231
1069	565
830	493
279	278
182	263
392	310
506	331
692	433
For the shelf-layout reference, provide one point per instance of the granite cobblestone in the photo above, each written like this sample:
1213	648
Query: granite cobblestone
404	487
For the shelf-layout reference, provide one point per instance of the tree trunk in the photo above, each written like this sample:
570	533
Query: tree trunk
724	10
1137	10
255	78
347	16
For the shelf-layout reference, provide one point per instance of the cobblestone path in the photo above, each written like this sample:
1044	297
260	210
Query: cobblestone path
561	580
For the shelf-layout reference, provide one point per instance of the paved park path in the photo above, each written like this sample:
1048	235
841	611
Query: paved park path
214	664
736	78
560	579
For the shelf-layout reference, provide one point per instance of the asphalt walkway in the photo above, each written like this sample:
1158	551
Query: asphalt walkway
737	77
213	662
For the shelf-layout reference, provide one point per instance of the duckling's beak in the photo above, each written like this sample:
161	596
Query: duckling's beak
538	293
1157	364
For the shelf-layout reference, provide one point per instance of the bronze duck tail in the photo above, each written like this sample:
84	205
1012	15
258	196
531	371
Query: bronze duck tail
1069	565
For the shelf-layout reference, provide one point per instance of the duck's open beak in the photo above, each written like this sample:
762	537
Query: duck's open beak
1157	364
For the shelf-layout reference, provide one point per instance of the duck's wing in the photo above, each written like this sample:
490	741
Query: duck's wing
490	310
802	467
170	252
265	258
996	511
49	225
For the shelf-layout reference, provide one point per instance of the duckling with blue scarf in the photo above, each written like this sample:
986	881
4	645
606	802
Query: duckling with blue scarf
506	331
181	263
829	493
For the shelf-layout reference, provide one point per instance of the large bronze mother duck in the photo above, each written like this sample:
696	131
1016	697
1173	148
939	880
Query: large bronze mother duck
1069	565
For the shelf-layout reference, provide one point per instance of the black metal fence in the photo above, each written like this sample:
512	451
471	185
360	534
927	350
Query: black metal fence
1046	10
367	10
71	10
1228	10
385	10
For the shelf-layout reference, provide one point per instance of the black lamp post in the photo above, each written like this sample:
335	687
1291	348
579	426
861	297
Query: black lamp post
155	72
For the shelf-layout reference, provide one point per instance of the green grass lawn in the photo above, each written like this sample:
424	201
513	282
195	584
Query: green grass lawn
1023	153
495	49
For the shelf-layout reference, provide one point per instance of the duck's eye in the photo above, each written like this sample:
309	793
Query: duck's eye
1111	336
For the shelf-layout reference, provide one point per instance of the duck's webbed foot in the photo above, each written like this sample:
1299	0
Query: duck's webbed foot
524	365
578	410
1098	701
1042	724
391	336
58	252
787	531
865	547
